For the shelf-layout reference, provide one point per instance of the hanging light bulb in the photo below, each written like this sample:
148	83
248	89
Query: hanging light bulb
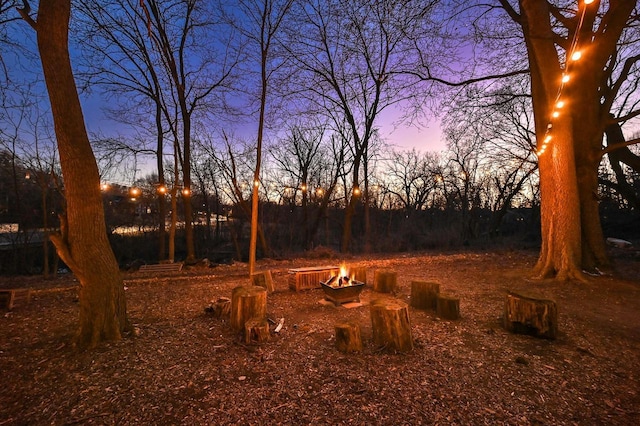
555	114
559	104
588	1
576	55
565	78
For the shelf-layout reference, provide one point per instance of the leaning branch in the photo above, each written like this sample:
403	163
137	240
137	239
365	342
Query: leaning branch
617	146
24	13
469	81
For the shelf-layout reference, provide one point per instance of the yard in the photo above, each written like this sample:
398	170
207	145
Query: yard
183	366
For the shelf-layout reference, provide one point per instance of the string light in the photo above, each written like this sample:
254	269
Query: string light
574	55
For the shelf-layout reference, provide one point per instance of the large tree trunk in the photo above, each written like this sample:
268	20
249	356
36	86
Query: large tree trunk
83	243
560	254
569	167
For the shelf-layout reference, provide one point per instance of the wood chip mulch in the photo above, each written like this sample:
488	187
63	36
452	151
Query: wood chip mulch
184	366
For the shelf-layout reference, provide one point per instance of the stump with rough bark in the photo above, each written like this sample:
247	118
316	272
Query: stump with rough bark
385	281
256	330
263	279
359	273
532	316
221	308
247	303
348	337
391	325
448	307
424	294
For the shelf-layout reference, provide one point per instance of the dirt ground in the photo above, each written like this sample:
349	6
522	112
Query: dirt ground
186	367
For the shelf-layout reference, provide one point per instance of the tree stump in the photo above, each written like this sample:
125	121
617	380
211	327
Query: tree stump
348	337
221	308
424	295
385	281
527	315
247	303
359	273
263	279
391	325
448	307
256	330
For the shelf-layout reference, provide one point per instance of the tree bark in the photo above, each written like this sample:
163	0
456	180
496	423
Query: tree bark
571	229
247	303
391	325
348	338
83	243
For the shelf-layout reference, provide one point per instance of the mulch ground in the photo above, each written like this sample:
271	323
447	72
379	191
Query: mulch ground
184	366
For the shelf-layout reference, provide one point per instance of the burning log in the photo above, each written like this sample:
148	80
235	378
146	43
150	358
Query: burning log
385	281
391	325
448	307
263	279
348	337
527	315
247	303
424	295
256	330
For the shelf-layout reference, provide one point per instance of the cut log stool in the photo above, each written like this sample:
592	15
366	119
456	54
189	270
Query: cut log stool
256	330
247	303
263	279
385	281
221	308
424	295
391	325
359	273
448	307
528	315
348	337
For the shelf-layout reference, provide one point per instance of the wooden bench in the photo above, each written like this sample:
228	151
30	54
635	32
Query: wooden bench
162	267
11	296
306	278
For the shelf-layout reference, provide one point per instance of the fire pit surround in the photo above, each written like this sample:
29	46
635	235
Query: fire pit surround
342	288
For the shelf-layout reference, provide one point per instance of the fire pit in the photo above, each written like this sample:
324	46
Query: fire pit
341	288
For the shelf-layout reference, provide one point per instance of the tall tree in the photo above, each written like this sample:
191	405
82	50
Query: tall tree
350	53
571	102
177	28
263	19
82	243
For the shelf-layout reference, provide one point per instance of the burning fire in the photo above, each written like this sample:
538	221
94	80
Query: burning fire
343	279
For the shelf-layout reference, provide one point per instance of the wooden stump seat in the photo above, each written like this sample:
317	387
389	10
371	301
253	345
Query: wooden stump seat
424	295
247	303
256	330
391	325
263	279
348	337
532	316
385	281
448	307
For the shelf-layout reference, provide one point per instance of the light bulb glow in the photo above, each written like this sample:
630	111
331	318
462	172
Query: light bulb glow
576	55
565	78
555	114
559	104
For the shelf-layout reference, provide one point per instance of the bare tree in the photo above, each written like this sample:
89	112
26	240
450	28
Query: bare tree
569	140
261	22
82	243
350	54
